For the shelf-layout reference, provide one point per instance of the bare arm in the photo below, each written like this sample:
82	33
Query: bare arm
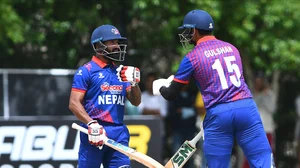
134	95
75	105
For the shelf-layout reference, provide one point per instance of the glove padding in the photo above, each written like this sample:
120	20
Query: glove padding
96	134
157	84
129	74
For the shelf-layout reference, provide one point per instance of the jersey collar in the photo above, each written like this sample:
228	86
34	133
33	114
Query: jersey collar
99	62
206	38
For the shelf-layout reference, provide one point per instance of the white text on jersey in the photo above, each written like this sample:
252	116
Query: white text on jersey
111	99
218	51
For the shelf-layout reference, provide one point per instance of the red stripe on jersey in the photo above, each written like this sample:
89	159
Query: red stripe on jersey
78	90
238	96
105	116
181	81
128	88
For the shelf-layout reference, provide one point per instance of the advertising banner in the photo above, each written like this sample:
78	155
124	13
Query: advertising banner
53	143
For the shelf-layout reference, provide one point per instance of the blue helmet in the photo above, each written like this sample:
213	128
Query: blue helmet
106	33
195	19
198	19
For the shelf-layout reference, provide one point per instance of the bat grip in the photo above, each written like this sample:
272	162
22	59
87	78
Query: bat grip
196	138
79	128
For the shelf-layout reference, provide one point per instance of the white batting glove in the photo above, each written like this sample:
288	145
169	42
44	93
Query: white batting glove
129	74
157	84
96	133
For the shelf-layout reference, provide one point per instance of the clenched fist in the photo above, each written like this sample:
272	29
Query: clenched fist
129	74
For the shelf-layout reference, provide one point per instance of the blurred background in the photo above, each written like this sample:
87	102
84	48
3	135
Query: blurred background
43	42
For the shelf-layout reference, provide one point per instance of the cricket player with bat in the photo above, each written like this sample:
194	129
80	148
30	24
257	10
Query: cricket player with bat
98	96
231	114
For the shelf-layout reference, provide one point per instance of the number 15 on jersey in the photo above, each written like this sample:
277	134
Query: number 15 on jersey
232	68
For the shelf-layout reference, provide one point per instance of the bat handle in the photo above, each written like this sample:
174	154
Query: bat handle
196	138
79	128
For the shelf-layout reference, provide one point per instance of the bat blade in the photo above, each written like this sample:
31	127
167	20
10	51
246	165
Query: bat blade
139	157
181	156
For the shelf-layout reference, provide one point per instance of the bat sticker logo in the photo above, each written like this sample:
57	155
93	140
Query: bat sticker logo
182	155
118	145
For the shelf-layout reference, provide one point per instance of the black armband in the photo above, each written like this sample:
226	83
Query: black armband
171	92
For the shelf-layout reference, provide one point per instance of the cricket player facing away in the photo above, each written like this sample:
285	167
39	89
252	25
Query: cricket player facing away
98	96
216	67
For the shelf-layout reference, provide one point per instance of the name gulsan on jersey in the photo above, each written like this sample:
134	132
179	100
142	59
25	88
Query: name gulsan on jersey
114	97
218	51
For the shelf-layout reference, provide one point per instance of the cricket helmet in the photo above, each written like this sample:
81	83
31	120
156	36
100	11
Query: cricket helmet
195	19
198	19
106	33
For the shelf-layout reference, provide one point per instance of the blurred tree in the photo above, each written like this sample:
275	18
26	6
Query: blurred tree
46	34
55	34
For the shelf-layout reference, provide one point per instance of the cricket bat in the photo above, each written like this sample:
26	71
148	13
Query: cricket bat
140	157
184	153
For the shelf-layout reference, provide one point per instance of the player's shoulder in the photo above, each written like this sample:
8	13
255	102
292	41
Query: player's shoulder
194	54
85	68
225	43
89	66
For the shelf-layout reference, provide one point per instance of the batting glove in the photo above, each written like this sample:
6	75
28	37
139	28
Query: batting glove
96	134
128	74
157	84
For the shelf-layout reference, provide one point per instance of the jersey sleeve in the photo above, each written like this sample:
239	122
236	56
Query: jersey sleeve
81	80
127	86
184	72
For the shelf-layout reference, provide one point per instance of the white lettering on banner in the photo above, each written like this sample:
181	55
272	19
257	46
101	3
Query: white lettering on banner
17	132
6	166
64	165
111	99
37	143
46	166
59	152
25	166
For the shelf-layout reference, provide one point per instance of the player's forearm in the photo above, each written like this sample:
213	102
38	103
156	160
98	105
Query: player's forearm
171	92
79	111
135	95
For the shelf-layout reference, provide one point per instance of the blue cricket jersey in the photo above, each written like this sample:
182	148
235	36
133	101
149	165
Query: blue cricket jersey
217	68
104	94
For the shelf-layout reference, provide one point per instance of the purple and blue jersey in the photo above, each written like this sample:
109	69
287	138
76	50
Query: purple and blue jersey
217	68
105	95
230	112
